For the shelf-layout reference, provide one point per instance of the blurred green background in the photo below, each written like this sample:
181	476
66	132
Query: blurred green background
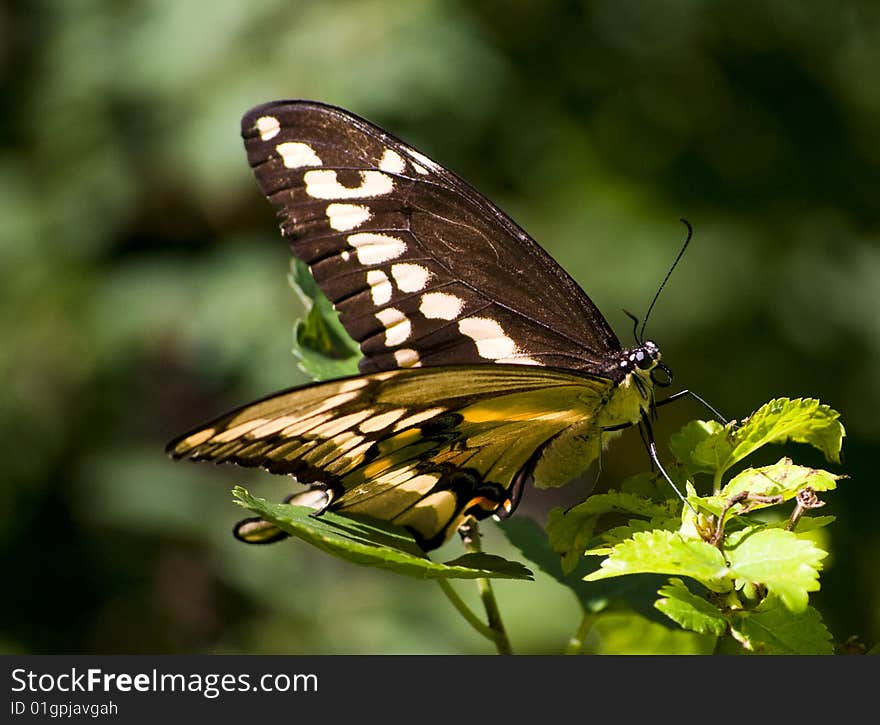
144	281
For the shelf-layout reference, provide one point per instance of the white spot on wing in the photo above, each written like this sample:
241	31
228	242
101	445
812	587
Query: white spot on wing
380	287
268	126
420	484
492	343
230	434
410	277
422	159
441	306
397	326
322	184
196	439
392	162
429	512
419	169
376	248
417	418
295	154
346	386
519	361
337	425
344	217
383	420
407	358
301	426
273	426
345	254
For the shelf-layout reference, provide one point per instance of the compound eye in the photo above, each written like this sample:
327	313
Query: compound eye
647	356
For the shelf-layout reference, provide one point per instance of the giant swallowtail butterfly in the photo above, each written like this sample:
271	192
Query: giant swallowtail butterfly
484	363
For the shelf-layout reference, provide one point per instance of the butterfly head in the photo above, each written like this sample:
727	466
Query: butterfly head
646	358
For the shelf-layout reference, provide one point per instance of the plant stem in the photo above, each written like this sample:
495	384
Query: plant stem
470	535
575	645
463	609
716	482
502	644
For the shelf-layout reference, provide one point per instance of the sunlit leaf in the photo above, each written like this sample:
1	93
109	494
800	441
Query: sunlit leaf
690	610
689	445
785	563
375	543
773	629
667	552
783	478
634	592
802	420
570	531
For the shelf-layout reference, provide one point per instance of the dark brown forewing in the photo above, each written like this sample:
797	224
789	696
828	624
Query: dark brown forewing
422	268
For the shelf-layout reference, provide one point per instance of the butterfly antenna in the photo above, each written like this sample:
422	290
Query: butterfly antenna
690	233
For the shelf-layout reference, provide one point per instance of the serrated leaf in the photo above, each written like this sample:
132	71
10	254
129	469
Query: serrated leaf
806	524
667	552
370	542
569	536
685	444
320	343
780	560
782	478
629	593
689	610
570	531
774	629
802	420
612	537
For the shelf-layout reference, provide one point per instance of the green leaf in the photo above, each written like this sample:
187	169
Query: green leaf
782	478
627	593
370	542
570	531
774	629
806	524
612	537
689	610
780	560
667	552
631	634
802	420
320	343
646	485
685	444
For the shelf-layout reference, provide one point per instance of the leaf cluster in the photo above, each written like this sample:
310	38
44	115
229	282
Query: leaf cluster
735	573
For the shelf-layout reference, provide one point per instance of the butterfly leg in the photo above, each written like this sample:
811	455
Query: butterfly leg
652	451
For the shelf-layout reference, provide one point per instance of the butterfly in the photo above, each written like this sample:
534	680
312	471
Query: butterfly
485	366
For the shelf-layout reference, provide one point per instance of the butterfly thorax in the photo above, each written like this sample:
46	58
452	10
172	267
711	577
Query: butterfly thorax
631	399
619	406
